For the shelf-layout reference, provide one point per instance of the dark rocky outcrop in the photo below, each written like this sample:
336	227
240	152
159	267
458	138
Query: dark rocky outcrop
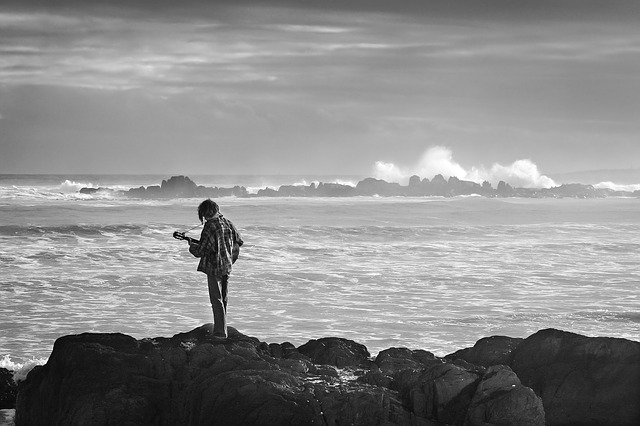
488	351
183	187
192	379
371	186
501	399
582	380
89	191
334	190
337	352
8	389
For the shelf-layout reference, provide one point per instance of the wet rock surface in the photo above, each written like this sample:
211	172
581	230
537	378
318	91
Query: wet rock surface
8	389
192	379
582	380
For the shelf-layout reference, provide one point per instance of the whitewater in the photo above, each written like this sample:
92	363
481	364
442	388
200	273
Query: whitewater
426	272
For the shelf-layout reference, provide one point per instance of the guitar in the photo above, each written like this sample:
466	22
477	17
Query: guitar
180	236
235	251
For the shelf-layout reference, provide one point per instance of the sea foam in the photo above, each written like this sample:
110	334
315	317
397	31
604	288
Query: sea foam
20	369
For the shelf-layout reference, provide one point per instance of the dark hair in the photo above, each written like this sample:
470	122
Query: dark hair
207	208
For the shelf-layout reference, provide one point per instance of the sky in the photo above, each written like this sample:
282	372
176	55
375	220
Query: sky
372	88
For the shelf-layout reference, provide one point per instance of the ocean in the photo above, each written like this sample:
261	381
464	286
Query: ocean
424	273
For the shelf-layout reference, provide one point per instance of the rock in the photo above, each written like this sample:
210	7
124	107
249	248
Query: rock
8	389
215	192
488	351
417	187
178	186
336	351
441	392
190	378
463	187
582	380
89	191
267	192
96	191
576	190
361	405
334	190
184	187
371	186
436	186
394	360
500	399
504	189
96	379
296	190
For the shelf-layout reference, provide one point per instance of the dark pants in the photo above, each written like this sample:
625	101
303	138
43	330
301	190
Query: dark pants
218	298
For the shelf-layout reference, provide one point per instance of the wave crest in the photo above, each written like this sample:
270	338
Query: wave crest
617	187
20	370
439	160
72	187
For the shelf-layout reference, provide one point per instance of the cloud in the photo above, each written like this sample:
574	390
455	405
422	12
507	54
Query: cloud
439	160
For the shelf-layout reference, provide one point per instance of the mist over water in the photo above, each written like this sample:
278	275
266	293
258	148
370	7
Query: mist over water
429	273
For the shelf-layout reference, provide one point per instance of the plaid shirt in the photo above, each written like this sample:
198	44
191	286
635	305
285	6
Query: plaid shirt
216	244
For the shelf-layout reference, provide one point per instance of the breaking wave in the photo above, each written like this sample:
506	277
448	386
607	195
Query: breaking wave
20	369
617	187
439	160
71	187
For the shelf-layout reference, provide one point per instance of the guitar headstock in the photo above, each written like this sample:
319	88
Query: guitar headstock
180	236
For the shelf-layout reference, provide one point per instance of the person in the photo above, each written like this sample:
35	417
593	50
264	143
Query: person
218	249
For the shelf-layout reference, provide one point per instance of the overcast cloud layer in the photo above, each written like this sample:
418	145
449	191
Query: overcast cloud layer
318	87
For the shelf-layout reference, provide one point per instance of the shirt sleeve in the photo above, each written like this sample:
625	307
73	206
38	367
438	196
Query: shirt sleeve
236	235
206	243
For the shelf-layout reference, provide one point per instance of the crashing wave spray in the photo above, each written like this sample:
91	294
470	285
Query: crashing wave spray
439	160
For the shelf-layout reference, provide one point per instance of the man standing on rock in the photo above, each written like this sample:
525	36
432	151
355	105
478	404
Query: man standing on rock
218	249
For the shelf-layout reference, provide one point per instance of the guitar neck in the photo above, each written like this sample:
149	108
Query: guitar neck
180	236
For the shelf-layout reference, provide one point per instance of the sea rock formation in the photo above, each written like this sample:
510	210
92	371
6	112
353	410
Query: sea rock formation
8	389
581	380
371	186
192	379
488	351
184	187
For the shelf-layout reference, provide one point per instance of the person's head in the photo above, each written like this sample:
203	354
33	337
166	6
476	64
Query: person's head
207	209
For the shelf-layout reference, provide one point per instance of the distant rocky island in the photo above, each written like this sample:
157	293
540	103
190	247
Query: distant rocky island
552	377
184	187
